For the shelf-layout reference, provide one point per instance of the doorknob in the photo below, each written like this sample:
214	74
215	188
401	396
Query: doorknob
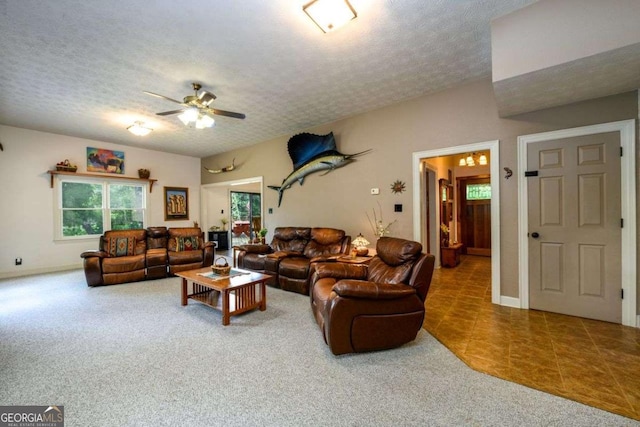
535	235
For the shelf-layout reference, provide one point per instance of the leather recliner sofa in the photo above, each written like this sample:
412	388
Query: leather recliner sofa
373	307
292	253
140	254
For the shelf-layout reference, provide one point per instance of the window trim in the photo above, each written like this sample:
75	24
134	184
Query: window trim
106	182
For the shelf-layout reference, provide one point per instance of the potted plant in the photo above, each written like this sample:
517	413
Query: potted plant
224	222
262	233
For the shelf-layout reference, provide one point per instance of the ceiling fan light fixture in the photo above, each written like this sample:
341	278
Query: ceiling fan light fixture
190	115
462	162
138	129
483	159
205	121
330	15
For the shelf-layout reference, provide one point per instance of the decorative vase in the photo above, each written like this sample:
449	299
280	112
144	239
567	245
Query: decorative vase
144	173
362	251
445	243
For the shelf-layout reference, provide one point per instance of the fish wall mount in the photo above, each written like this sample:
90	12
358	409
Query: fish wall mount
312	153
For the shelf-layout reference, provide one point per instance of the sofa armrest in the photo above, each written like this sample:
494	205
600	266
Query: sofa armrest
93	266
326	258
92	254
208	252
370	290
284	254
256	249
339	270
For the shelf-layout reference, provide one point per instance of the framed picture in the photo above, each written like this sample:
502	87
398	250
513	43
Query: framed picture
176	203
105	161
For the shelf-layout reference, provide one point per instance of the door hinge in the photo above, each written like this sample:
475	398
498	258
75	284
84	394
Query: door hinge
621	222
621	293
620	151
531	173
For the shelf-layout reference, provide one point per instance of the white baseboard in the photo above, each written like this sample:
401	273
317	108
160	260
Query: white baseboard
510	301
34	271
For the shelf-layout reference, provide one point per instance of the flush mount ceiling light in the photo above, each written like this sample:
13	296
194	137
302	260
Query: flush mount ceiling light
473	159
138	129
330	15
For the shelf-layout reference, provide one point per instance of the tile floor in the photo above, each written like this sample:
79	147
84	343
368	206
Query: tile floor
592	362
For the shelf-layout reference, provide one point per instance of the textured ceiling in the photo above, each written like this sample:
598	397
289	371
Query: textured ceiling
79	68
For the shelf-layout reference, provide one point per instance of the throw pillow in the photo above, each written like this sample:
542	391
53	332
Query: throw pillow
122	246
190	243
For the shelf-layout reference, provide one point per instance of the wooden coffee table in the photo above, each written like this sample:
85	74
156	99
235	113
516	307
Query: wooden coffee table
232	295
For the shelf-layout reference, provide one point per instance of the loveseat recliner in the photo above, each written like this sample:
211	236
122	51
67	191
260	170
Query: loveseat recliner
140	254
373	307
292	253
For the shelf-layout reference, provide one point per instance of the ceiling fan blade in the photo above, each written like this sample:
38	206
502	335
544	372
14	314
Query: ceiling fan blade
162	96
168	113
227	113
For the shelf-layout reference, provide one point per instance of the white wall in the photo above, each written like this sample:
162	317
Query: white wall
26	218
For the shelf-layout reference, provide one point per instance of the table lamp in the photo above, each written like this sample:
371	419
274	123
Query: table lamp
360	243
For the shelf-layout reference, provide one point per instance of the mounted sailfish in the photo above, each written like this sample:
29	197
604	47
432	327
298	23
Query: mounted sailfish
312	153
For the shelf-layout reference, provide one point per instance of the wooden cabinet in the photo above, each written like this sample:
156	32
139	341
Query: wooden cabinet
451	255
221	238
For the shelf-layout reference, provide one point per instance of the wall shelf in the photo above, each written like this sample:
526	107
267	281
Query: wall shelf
95	175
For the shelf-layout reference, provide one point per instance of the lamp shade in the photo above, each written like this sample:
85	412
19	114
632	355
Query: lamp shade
360	243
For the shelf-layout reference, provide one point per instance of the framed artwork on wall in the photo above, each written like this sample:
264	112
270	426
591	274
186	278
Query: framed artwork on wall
176	203
105	161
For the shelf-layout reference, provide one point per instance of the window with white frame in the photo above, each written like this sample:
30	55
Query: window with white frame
88	207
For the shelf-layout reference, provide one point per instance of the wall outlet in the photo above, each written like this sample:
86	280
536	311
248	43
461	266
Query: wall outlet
18	261
375	191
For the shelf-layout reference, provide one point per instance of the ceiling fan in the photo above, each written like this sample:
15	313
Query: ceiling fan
196	107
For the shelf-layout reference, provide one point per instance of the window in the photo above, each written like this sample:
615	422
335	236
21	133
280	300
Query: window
89	207
478	191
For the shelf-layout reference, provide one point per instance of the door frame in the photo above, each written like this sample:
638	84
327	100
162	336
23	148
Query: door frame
626	128
204	195
418	189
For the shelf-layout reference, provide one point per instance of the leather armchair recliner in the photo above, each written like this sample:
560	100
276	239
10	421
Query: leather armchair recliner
373	307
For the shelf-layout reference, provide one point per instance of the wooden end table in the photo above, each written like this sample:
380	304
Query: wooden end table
231	295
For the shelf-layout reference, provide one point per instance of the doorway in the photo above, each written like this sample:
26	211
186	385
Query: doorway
246	218
590	270
215	206
419	184
474	214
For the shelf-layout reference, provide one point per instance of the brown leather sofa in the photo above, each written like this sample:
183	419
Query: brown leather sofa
290	256
373	307
133	255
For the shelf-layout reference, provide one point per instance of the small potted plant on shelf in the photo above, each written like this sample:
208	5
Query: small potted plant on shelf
445	235
263	233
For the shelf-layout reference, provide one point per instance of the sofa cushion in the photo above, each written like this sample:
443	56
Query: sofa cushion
324	241
185	257
123	264
294	268
290	239
189	243
121	246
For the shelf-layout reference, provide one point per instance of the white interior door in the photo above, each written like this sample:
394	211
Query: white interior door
574	226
